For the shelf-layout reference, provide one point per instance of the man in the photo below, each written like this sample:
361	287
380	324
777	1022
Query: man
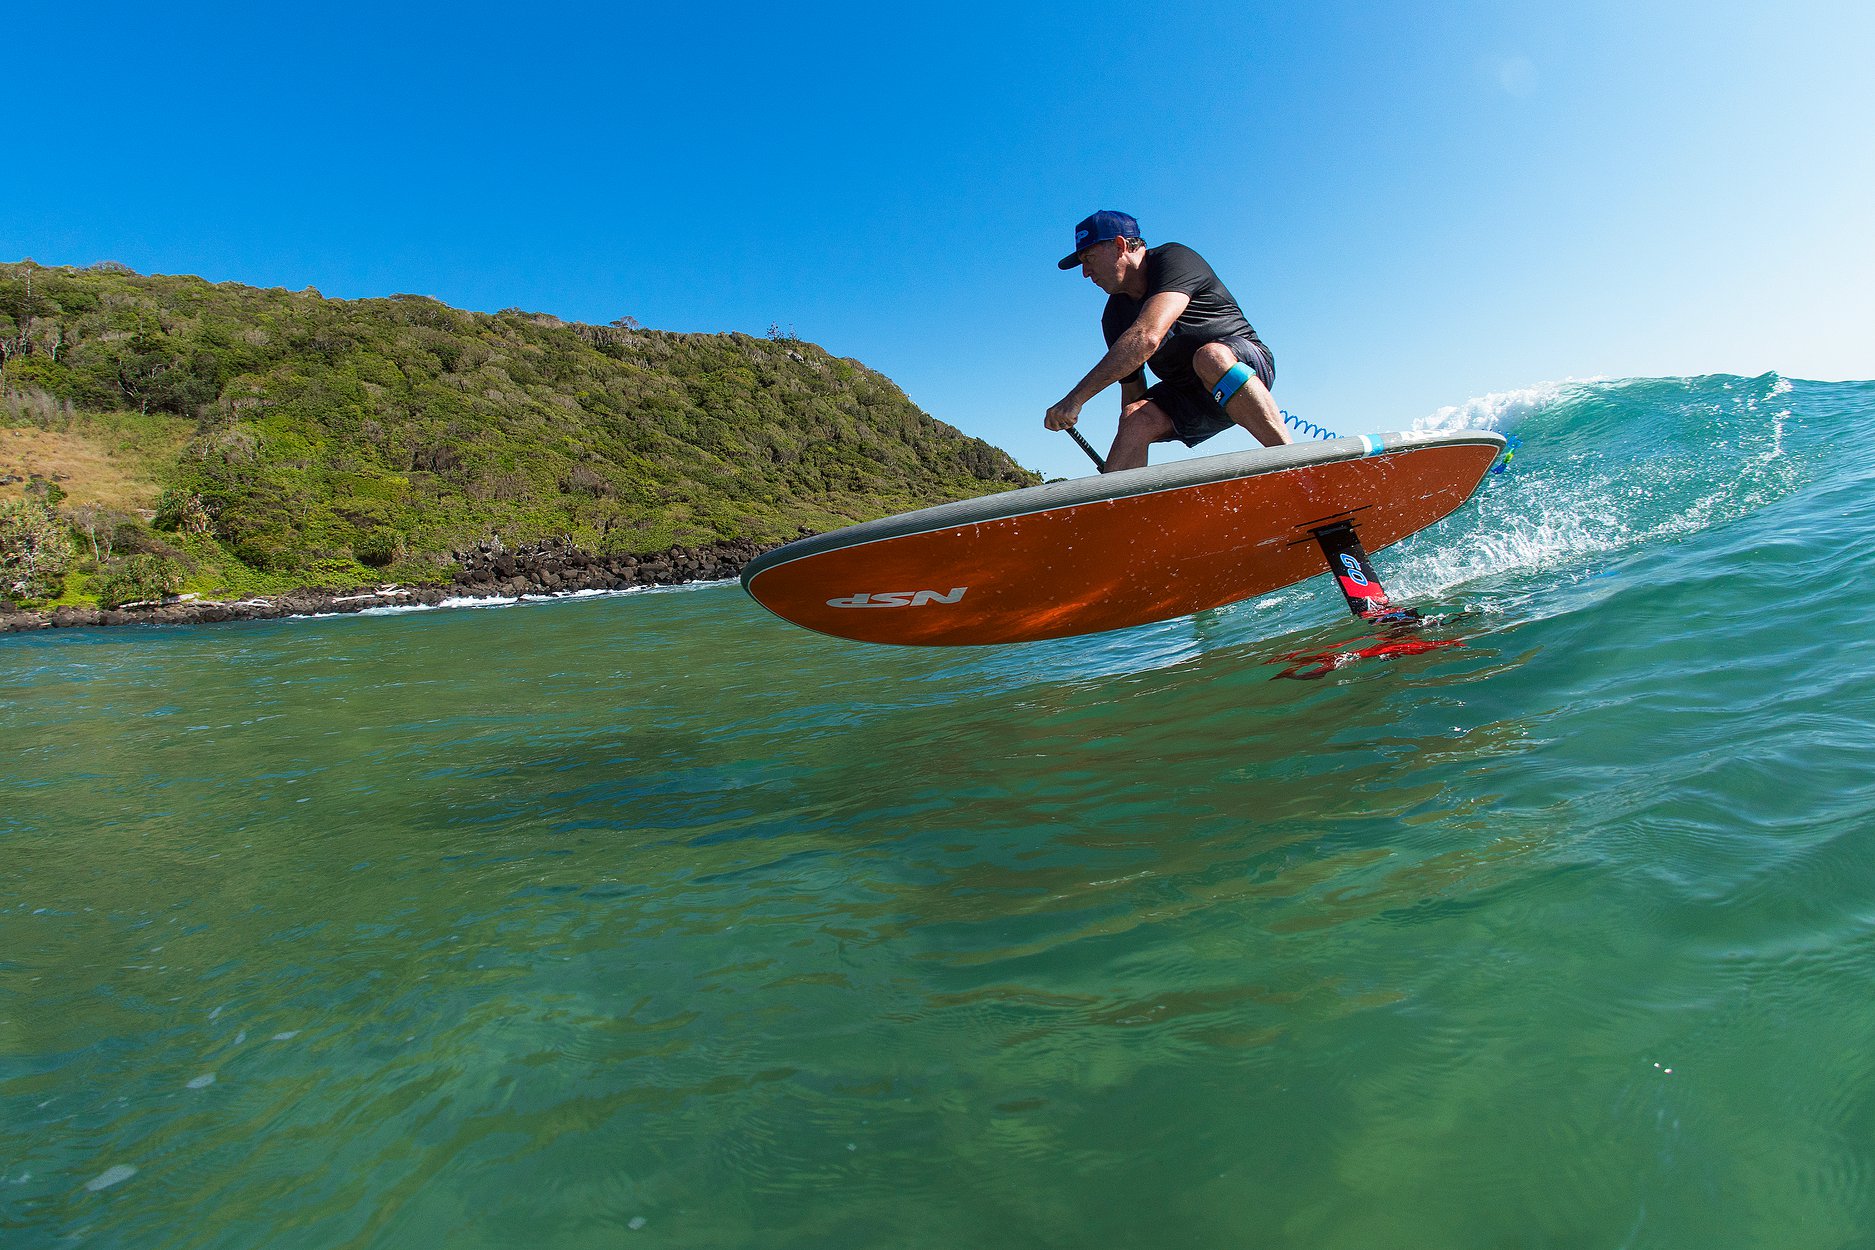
1166	308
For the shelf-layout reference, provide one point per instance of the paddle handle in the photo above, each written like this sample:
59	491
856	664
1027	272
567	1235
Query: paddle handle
1091	453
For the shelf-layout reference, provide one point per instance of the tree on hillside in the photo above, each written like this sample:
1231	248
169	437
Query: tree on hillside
35	550
19	304
154	371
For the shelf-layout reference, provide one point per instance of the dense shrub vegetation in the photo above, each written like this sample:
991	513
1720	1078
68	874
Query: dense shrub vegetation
35	550
330	441
136	579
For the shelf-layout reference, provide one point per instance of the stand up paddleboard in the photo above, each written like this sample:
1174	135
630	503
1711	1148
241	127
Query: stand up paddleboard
1126	548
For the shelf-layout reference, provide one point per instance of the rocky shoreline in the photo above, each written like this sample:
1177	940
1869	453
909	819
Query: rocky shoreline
488	570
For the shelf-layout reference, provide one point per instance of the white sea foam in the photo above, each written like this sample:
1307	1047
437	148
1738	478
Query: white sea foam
403	609
1500	409
1560	518
1545	540
472	601
110	1176
506	601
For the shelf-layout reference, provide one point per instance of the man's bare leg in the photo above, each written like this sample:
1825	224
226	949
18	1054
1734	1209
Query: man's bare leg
1252	406
1141	425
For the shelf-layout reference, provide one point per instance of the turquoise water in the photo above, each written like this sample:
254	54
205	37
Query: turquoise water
649	920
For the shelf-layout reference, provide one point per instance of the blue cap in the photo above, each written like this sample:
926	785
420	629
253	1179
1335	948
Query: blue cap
1103	225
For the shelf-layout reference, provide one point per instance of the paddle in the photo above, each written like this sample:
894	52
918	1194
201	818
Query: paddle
1091	453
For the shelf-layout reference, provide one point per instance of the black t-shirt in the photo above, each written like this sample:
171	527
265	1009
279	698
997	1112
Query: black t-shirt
1212	313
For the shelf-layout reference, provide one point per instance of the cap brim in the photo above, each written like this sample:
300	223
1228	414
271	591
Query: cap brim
1069	261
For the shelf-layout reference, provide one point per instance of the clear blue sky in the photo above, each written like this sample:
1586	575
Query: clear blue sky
1415	204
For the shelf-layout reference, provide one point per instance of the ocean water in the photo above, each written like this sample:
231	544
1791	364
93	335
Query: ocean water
649	920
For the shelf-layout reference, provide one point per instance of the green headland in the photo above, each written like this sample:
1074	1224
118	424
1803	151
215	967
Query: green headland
166	434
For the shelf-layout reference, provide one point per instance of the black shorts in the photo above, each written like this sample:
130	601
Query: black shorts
1195	417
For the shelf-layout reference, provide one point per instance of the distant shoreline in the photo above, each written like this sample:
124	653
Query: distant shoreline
486	571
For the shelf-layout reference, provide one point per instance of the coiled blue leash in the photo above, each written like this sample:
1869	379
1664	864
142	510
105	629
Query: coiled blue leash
1307	427
1511	441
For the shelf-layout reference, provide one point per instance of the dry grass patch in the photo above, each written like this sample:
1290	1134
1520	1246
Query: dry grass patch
93	464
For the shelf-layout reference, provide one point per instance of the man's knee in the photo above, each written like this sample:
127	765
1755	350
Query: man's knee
1211	360
1143	418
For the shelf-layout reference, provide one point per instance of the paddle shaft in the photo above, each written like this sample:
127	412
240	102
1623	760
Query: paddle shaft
1091	453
